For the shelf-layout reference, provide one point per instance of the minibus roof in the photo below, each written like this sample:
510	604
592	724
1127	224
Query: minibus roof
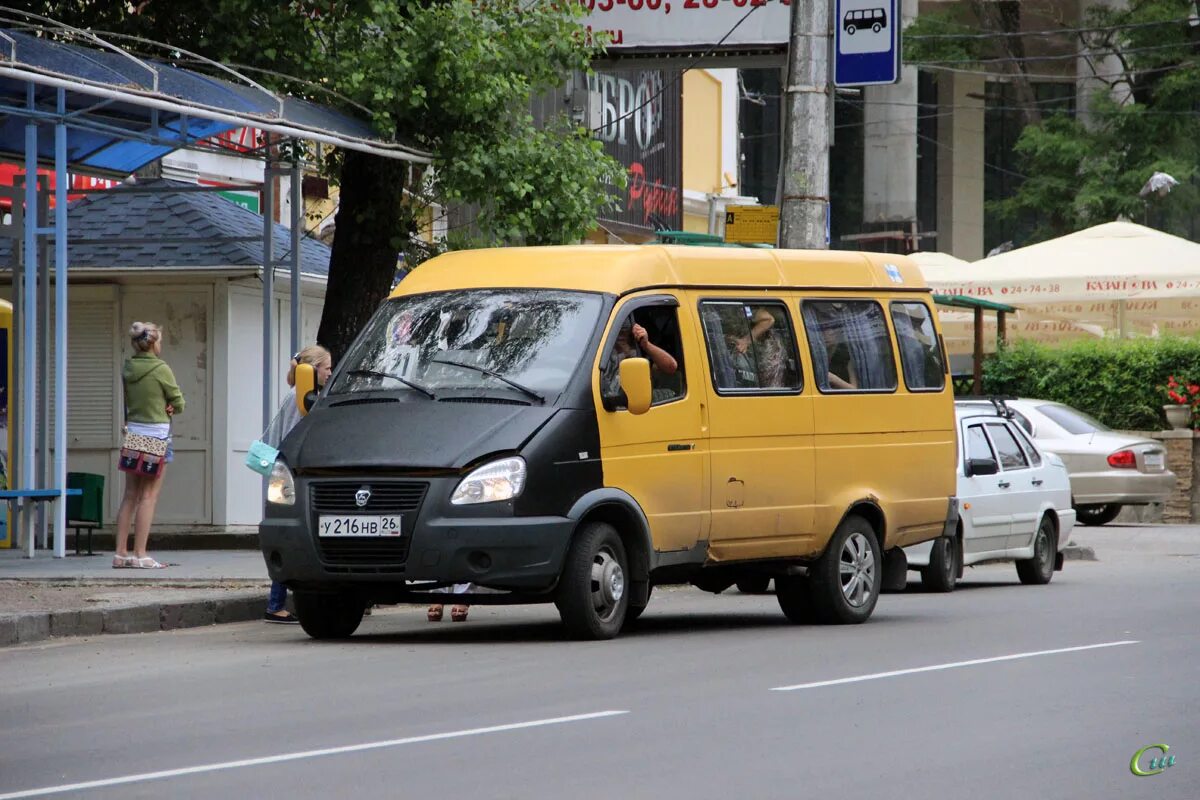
621	269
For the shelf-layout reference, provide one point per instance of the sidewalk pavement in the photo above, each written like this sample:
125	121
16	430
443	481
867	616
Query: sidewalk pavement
48	597
83	595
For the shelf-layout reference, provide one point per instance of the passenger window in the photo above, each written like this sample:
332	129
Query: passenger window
1035	458
751	346
850	346
652	333
920	352
1011	454
977	444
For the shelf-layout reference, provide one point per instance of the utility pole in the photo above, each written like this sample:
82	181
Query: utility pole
804	200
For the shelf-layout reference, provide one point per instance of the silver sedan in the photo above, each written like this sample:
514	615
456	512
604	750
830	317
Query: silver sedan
1108	469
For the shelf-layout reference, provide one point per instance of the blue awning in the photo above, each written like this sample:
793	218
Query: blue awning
126	111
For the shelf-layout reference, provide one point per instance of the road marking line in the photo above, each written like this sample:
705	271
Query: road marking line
328	751
933	668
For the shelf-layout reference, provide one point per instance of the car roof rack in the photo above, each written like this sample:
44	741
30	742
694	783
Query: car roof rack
997	401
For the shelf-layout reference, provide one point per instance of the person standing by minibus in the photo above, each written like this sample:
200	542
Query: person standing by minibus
285	419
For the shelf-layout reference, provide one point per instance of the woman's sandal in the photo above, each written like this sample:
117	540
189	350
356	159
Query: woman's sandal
123	562
458	614
434	614
148	563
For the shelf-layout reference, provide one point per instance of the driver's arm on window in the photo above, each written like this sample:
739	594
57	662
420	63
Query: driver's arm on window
660	358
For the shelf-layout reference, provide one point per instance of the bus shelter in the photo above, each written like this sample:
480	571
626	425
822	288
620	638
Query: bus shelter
101	109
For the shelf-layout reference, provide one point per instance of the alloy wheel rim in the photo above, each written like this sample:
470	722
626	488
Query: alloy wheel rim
857	570
607	584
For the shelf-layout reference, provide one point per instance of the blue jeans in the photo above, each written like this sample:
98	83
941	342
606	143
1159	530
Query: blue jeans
277	599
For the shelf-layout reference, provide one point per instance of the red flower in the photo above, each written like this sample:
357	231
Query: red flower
1193	389
1176	397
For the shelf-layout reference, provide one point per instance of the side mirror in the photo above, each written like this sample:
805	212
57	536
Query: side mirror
982	466
635	381
306	388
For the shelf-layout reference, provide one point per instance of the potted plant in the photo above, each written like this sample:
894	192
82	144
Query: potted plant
1184	402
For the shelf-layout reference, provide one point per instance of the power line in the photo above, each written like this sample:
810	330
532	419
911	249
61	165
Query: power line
1050	31
1098	53
1049	77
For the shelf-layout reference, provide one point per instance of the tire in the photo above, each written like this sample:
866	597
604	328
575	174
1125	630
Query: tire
633	612
850	30
1039	570
329	615
754	584
942	573
1097	515
795	598
592	599
876	27
844	583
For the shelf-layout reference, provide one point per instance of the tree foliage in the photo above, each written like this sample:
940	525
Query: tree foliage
453	77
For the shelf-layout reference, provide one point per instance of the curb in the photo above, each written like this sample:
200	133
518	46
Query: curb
35	626
1074	552
176	540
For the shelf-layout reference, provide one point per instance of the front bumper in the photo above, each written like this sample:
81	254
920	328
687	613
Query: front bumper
1124	487
493	549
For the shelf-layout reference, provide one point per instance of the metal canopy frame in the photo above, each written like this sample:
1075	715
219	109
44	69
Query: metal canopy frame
127	99
978	307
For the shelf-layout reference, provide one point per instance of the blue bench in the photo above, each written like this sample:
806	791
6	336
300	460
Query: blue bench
37	494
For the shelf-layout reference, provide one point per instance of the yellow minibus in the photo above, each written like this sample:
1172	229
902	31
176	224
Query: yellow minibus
579	424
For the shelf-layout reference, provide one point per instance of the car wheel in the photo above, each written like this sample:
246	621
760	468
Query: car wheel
794	596
1097	515
850	30
942	573
1040	569
755	584
633	612
329	615
592	599
876	27
844	583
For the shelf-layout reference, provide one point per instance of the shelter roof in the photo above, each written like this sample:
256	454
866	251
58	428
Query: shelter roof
138	230
959	301
126	111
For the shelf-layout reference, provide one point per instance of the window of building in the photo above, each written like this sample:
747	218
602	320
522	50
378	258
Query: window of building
851	348
920	350
751	346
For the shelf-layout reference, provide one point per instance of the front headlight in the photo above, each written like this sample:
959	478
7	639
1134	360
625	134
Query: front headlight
281	489
499	480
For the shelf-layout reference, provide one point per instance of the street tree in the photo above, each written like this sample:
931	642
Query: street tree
453	77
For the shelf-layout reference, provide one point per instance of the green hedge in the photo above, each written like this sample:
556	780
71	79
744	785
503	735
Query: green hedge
1116	381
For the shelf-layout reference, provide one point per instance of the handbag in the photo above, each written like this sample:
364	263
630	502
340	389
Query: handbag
261	457
142	455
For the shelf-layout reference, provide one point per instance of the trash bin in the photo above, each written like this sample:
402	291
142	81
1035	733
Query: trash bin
85	512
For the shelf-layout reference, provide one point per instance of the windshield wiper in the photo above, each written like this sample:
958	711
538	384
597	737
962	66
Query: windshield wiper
492	373
410	384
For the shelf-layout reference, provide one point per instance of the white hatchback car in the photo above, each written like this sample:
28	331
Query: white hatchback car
1014	504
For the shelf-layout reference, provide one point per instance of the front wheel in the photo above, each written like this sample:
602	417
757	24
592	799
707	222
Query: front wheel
592	599
1040	569
942	573
334	615
1097	515
850	29
844	583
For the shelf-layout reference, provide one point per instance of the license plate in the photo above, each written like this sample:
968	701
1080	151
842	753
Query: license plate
1153	460
359	525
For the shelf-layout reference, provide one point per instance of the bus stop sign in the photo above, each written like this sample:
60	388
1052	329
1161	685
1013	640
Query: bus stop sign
866	42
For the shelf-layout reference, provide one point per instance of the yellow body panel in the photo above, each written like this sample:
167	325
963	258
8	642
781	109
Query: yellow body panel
750	477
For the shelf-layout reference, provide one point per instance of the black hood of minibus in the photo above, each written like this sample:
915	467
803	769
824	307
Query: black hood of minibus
384	433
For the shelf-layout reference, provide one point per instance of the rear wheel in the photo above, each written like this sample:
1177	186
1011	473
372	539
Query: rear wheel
329	615
1097	515
1040	569
877	27
844	584
942	573
592	599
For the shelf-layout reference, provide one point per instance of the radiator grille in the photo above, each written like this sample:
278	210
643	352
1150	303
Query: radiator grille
386	497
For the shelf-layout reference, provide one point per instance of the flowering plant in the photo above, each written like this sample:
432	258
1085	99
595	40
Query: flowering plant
1183	393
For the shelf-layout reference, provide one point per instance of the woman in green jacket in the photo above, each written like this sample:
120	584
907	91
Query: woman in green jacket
152	397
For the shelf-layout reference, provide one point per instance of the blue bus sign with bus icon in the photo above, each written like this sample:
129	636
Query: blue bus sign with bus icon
866	42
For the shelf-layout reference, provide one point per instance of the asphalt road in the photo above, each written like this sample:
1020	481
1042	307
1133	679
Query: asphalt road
963	699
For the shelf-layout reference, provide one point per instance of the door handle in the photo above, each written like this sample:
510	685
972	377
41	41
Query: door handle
1004	484
1037	481
679	448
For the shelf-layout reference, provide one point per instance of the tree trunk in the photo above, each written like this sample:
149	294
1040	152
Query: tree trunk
371	222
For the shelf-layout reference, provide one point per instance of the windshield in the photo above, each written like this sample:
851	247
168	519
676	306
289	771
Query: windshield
523	344
1071	420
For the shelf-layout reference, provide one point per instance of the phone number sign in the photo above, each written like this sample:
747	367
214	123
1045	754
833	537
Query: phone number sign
697	24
